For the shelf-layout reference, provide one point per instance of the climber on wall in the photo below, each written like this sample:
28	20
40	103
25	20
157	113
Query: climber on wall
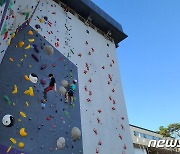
52	85
70	92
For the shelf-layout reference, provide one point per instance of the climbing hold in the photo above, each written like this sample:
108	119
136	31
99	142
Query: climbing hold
21	145
49	49
20	44
76	133
8	150
31	40
15	90
27	104
43	81
35	48
8	120
95	131
41	20
100	142
62	90
7	99
37	26
61	143
30	32
22	114
64	83
13	35
11	59
26	78
43	66
28	47
35	57
9	42
29	91
13	140
22	132
33	78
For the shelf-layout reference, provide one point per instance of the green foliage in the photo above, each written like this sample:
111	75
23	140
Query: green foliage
172	130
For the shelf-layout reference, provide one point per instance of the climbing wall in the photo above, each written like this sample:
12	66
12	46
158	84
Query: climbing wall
102	115
105	127
37	128
13	14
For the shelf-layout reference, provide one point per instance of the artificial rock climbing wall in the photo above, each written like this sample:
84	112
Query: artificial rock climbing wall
104	121
43	125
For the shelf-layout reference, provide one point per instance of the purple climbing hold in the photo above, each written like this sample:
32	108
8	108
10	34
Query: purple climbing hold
43	81
35	48
43	66
37	26
45	18
35	58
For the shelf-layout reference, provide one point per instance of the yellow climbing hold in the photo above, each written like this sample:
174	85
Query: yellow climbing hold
29	91
21	145
41	20
27	47
21	60
15	90
22	132
20	44
31	40
13	140
19	120
9	42
13	35
27	104
11	59
22	114
10	147
30	32
26	78
25	56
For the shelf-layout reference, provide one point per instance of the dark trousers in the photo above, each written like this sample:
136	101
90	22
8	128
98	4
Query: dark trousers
46	90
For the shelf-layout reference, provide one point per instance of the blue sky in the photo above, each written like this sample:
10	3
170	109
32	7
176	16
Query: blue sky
149	59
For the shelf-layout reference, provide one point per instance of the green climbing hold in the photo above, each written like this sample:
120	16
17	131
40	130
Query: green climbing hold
27	15
10	5
4	28
74	99
72	105
7	99
72	51
2	2
66	113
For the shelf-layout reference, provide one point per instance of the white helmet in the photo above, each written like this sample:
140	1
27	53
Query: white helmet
75	81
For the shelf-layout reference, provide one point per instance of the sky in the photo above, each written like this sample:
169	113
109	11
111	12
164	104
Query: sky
149	59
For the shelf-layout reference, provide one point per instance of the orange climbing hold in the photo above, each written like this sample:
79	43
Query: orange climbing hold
20	44
11	59
30	32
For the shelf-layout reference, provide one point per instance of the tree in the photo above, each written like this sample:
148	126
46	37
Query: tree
172	130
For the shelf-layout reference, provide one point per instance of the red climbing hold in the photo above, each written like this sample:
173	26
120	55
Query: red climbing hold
122	127
79	54
122	118
124	147
90	93
90	80
95	131
89	53
98	120
120	136
5	35
103	67
88	100
85	88
86	42
92	49
100	142
114	102
47	118
85	71
113	108
113	90
110	98
99	111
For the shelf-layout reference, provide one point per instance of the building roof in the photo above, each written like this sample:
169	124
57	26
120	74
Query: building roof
143	129
99	18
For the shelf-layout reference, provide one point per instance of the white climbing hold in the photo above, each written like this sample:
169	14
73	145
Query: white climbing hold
62	90
61	143
76	133
49	49
64	83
